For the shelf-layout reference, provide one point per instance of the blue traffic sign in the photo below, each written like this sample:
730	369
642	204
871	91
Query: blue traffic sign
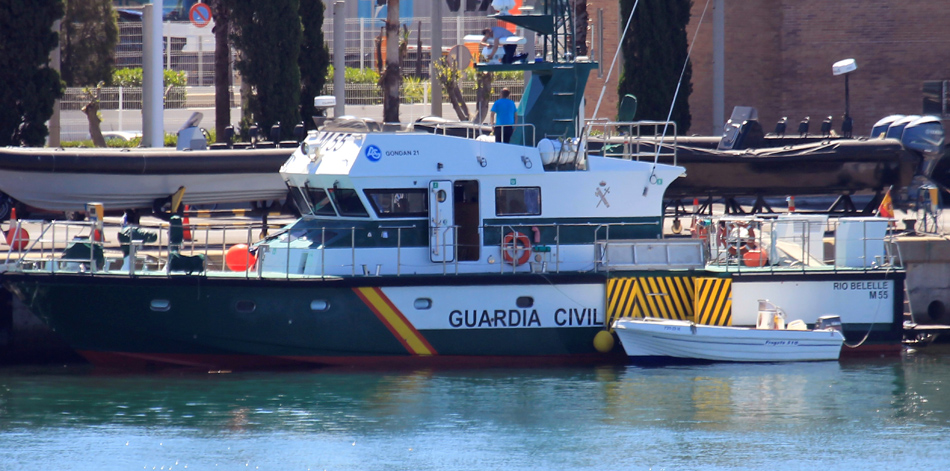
200	14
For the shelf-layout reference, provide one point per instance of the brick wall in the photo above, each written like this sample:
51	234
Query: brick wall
778	57
612	29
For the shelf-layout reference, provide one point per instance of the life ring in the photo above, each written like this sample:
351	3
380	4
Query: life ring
510	248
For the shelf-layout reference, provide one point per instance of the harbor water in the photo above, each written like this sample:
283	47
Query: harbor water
883	413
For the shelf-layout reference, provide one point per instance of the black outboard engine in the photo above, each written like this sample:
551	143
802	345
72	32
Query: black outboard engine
879	130
896	129
925	135
743	130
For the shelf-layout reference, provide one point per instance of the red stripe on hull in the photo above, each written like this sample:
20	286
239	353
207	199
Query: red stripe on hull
250	362
878	349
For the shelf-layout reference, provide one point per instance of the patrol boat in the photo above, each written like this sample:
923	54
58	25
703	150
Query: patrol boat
440	247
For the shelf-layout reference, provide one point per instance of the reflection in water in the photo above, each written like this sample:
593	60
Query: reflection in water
858	414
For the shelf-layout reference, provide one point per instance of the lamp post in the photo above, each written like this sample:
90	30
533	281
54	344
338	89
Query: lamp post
845	67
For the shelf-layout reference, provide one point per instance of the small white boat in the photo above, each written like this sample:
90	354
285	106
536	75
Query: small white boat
659	339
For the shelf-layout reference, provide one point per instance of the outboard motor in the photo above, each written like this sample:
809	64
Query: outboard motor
190	136
879	130
925	135
896	129
743	130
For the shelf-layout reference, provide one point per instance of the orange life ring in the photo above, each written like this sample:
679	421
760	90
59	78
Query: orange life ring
510	248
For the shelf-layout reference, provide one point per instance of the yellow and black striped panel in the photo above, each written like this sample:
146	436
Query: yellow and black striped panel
621	298
667	297
713	301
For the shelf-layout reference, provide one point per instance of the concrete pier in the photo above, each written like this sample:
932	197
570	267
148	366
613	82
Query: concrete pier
927	260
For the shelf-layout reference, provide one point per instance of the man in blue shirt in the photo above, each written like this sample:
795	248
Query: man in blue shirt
503	116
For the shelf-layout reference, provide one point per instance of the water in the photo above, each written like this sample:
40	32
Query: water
868	414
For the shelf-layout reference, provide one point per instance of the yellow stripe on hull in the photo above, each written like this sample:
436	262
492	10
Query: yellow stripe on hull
384	309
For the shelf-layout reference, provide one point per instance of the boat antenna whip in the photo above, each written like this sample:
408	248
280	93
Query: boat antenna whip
614	62
669	115
585	136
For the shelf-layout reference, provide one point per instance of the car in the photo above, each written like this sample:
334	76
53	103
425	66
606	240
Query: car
121	136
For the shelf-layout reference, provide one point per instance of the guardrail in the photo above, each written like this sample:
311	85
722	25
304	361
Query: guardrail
753	244
737	245
635	140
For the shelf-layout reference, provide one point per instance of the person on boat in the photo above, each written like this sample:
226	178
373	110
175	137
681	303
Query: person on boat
491	42
503	117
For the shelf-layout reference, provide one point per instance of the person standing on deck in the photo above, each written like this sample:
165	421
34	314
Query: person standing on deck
503	117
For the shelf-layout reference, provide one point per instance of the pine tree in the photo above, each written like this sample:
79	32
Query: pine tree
314	57
90	32
28	87
654	52
267	36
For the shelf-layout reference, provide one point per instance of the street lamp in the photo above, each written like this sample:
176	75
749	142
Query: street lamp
844	67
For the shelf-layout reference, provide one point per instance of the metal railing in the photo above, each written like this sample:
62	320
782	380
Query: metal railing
753	244
726	244
635	140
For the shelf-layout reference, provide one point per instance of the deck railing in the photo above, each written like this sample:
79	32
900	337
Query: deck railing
726	244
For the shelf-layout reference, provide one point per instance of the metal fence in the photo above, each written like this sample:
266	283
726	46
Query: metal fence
191	49
362	33
413	92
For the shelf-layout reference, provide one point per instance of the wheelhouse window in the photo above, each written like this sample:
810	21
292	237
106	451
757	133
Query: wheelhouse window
348	202
518	201
313	201
399	203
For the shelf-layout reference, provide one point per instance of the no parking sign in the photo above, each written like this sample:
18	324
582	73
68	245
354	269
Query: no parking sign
200	14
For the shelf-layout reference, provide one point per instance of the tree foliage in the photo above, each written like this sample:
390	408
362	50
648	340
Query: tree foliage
314	58
654	52
268	36
28	87
90	32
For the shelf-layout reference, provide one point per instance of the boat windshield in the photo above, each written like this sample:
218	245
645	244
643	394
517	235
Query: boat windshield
348	202
312	201
399	203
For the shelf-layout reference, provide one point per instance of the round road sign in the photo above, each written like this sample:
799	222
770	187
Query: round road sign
200	14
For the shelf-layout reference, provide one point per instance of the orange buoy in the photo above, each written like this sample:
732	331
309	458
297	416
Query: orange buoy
755	258
17	238
186	235
239	258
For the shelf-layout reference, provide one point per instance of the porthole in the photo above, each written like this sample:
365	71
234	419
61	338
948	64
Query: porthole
422	303
245	307
441	196
160	305
318	305
524	302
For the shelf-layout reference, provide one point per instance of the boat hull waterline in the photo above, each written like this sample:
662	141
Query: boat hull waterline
237	323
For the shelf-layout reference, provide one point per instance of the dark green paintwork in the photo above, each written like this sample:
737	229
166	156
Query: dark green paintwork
213	317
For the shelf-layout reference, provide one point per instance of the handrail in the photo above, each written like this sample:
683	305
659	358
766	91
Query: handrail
44	252
636	138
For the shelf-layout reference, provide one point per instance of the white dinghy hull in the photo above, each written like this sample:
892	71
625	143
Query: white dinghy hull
660	338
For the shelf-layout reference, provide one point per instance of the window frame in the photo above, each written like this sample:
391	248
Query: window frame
503	212
335	197
373	195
